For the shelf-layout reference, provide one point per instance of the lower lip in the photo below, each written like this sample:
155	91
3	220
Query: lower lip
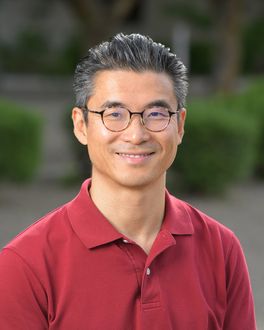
135	160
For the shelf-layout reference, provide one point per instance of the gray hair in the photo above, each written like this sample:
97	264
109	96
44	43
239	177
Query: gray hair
129	52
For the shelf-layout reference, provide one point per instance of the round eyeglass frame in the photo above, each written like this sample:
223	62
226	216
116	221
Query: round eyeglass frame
101	113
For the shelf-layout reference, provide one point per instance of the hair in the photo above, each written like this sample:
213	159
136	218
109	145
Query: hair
134	52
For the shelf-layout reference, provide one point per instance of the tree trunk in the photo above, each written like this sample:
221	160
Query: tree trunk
99	19
228	20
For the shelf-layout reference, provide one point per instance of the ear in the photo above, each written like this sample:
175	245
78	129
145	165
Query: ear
79	125
181	122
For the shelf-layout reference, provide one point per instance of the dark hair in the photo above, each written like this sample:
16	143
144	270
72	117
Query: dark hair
129	52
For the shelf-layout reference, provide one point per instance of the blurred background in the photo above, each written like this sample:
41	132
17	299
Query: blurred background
220	165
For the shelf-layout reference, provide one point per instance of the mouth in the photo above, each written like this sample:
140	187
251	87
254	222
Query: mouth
138	158
135	155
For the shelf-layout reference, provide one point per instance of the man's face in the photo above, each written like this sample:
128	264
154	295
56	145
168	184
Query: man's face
134	157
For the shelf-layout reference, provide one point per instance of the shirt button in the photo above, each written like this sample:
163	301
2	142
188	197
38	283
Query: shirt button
148	271
125	241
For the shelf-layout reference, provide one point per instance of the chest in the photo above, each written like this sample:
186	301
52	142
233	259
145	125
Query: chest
120	287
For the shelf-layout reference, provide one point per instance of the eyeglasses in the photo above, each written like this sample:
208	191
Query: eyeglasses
117	118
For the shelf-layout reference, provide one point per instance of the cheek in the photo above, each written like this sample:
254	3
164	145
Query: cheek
97	134
172	152
99	140
171	146
98	129
105	134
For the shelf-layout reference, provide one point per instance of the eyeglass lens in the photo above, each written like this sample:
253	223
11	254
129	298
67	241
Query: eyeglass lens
118	118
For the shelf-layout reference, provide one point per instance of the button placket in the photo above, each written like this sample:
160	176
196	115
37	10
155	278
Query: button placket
136	256
150	289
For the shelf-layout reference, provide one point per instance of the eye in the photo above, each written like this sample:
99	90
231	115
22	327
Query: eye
157	113
115	113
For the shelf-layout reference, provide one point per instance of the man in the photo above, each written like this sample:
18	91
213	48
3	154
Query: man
125	254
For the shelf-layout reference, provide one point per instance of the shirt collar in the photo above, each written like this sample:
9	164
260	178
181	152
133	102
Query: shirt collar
177	219
94	229
88	222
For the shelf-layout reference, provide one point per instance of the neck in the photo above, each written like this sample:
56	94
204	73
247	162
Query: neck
136	212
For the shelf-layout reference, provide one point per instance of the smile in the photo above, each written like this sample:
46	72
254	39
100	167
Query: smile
134	155
135	158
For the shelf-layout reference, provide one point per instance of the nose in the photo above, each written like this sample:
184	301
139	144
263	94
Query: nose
135	133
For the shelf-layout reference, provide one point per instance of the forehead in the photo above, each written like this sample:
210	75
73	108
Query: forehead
133	86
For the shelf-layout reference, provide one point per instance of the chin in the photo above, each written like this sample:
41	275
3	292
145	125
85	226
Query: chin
138	182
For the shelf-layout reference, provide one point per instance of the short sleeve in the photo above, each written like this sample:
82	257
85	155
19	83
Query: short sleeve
240	306
23	302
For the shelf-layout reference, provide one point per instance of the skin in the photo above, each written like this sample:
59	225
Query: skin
130	191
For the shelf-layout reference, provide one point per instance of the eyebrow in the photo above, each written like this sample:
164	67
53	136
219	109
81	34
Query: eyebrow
158	103
109	104
155	103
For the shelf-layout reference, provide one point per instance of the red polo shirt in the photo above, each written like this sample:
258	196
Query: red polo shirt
73	271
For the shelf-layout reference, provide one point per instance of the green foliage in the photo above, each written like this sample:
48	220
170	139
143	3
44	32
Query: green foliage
67	58
253	47
188	12
32	53
26	55
250	104
201	57
219	147
20	139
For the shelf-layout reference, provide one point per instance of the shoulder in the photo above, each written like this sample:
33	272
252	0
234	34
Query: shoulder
200	219
42	238
206	230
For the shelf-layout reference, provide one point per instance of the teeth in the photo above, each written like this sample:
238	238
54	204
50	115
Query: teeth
134	156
